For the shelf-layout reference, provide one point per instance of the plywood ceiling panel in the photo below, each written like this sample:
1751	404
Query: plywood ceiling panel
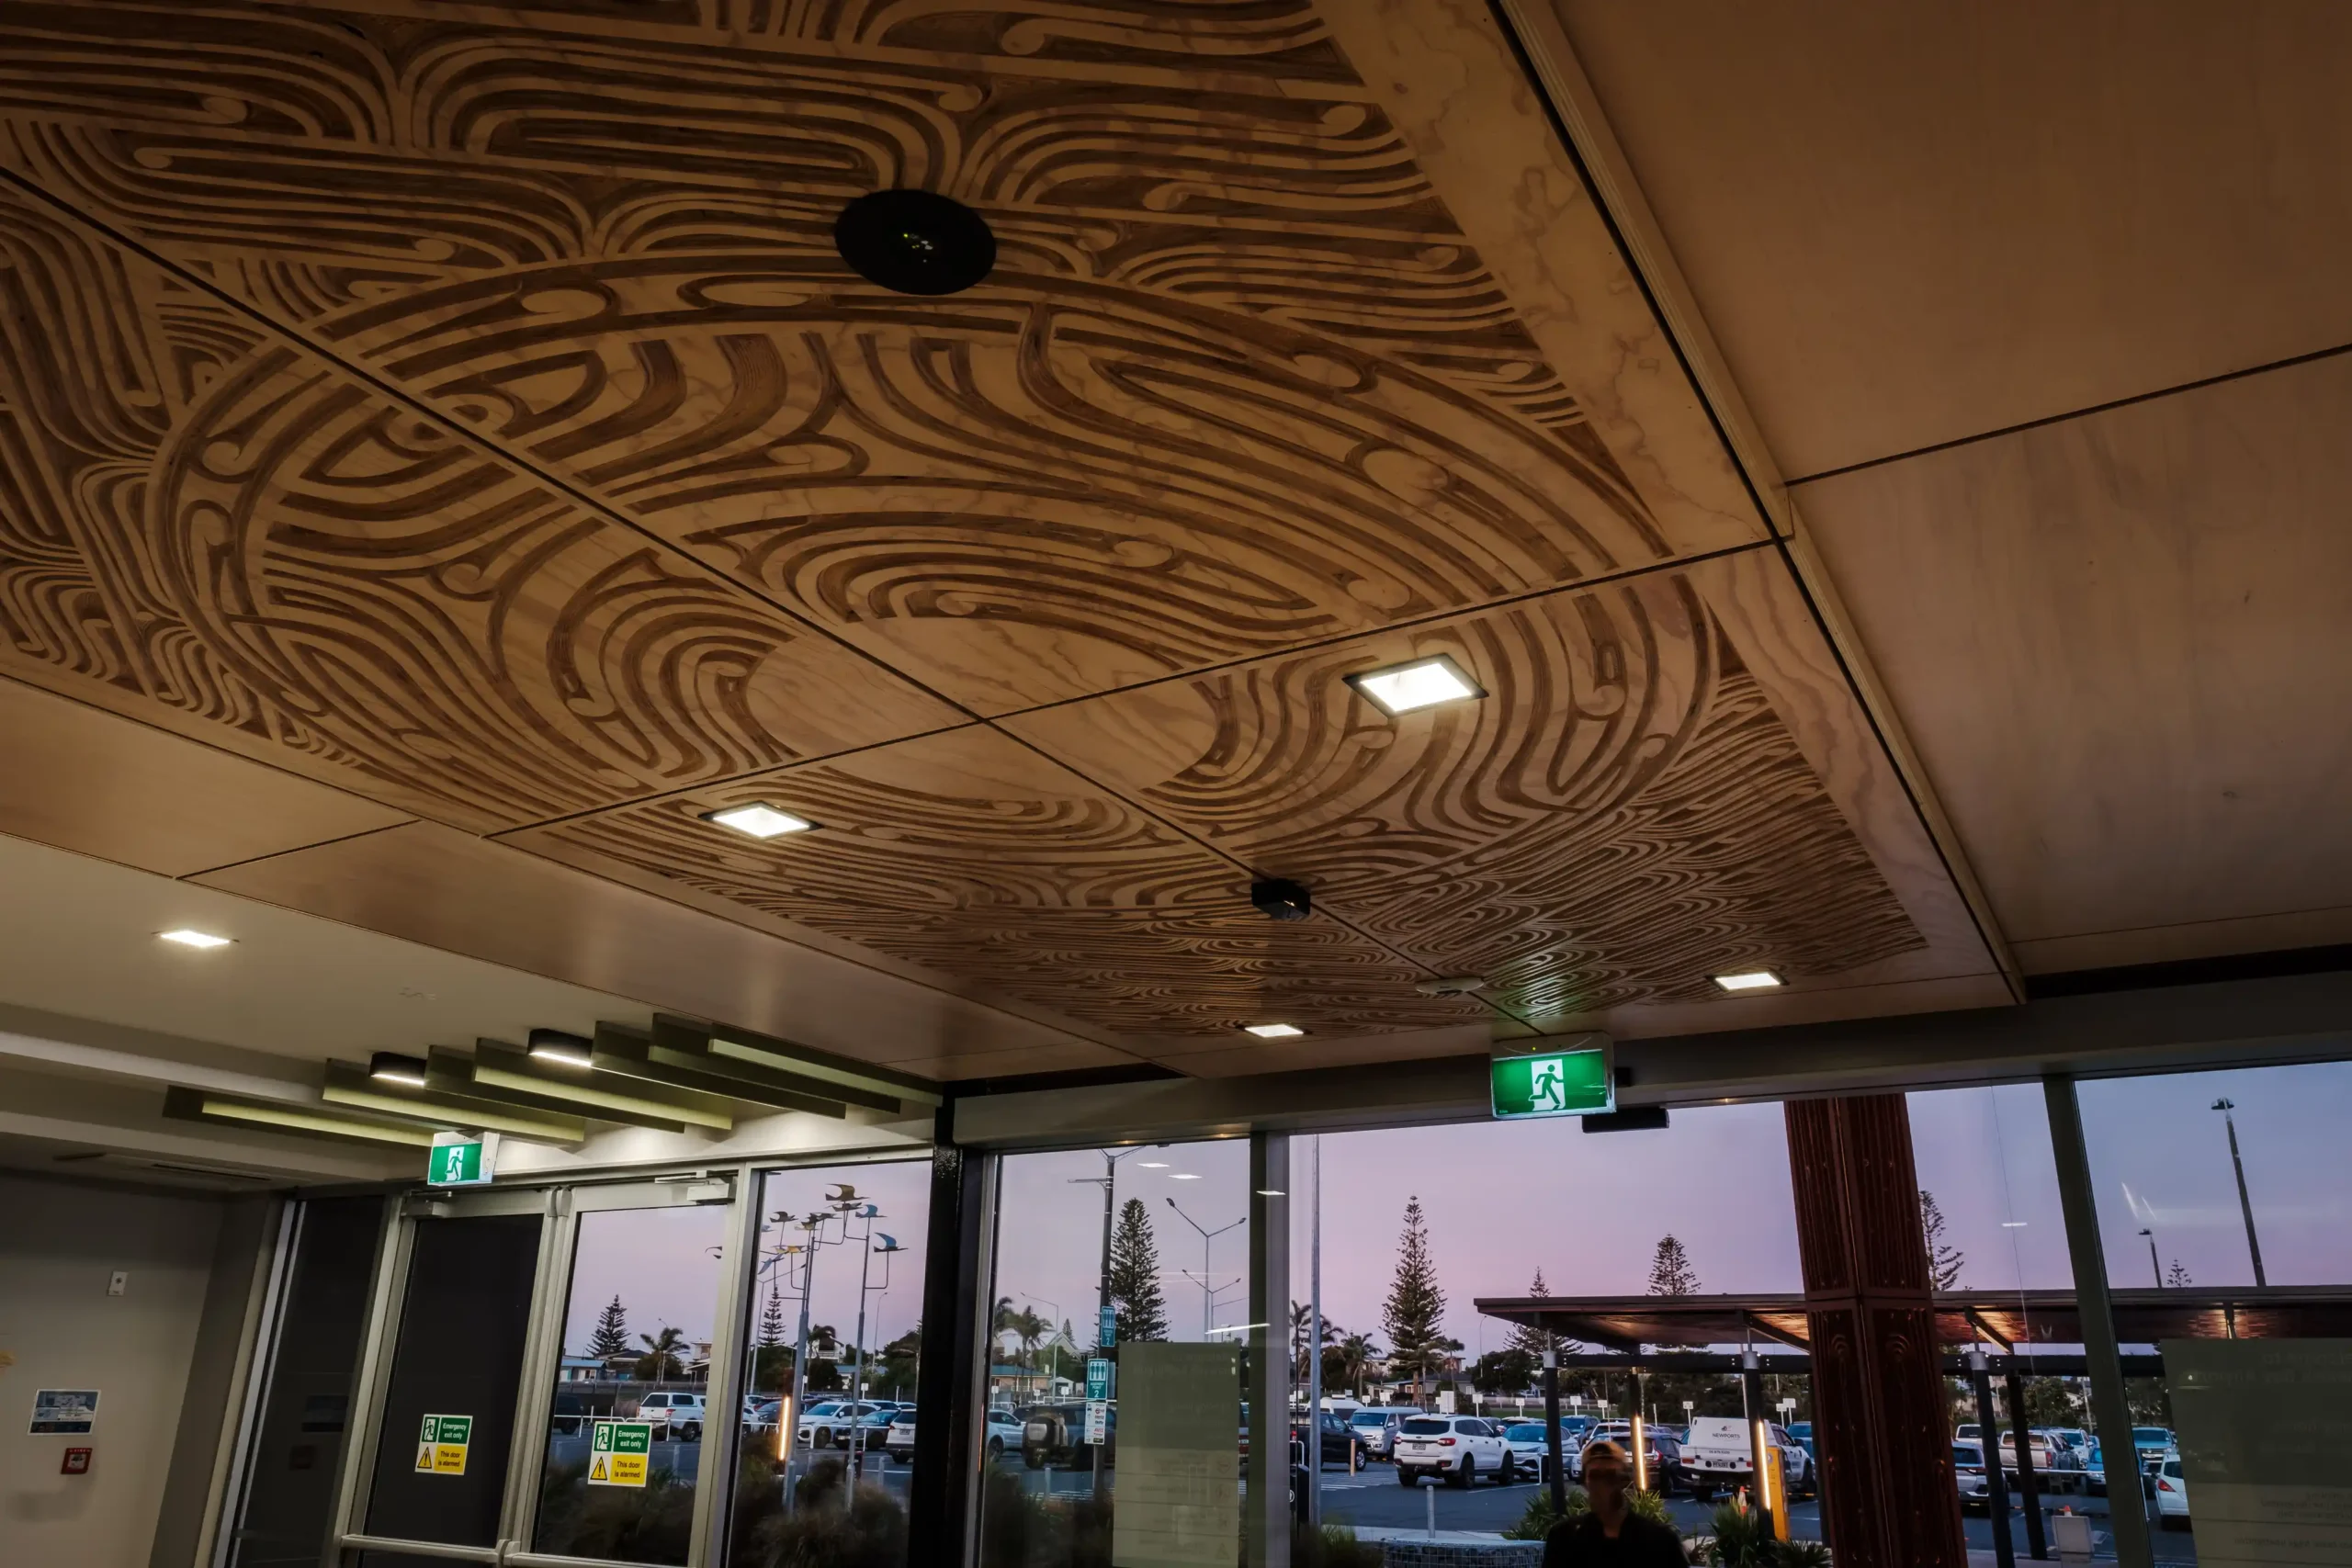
2109	637
1910	224
468	407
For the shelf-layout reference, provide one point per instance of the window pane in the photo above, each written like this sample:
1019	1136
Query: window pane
834	1339
625	1438
1177	1270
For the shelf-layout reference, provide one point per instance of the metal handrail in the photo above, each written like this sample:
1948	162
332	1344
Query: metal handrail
493	1555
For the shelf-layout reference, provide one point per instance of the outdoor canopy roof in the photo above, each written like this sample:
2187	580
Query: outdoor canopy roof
2006	1318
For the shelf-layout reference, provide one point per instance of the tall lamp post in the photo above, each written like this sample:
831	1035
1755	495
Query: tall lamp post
2246	1204
2154	1268
1109	1180
1208	1297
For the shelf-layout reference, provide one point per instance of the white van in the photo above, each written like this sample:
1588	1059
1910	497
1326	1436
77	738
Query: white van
1715	1453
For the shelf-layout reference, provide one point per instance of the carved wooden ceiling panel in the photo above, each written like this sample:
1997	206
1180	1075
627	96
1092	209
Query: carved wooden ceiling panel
468	406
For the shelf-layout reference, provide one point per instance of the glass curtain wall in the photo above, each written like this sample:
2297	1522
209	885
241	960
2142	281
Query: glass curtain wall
2226	1214
1153	1470
1416	1224
834	1347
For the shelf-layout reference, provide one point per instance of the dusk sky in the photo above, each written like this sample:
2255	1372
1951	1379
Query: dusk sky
1504	1199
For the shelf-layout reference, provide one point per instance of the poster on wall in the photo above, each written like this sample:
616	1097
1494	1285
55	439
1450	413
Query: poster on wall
70	1410
2263	1427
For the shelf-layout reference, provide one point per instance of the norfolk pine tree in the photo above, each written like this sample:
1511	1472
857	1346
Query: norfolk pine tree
1415	1306
1140	1313
1670	1270
1944	1260
610	1337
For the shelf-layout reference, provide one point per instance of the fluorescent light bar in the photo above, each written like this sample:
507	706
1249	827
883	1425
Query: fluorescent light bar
1273	1030
564	1050
1749	980
189	937
1424	683
1151	1164
389	1066
1183	1176
759	820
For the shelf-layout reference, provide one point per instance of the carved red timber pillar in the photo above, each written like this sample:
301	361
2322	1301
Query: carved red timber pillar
1889	1498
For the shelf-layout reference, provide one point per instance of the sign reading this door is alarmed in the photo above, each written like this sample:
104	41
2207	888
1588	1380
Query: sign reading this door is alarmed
618	1452
441	1447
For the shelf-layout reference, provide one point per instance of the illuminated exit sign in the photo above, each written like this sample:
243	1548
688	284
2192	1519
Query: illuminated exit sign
461	1160
1556	1083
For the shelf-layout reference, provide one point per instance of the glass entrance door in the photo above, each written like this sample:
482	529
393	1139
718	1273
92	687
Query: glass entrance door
539	1380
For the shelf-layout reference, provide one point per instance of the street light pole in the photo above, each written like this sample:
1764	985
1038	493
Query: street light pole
2154	1268
2246	1204
1208	1297
1108	1179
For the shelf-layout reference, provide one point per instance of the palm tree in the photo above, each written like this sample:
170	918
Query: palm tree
1301	1317
1357	1352
662	1359
1029	1328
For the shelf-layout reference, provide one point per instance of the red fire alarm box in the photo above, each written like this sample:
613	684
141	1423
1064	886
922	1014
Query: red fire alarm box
77	1462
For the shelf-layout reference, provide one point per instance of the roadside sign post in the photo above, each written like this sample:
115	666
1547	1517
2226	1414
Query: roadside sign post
620	1453
1098	1378
1098	1421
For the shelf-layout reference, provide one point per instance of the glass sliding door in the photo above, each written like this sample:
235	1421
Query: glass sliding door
628	1399
444	1431
832	1337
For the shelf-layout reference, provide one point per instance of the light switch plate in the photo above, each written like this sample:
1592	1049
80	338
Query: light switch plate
118	1283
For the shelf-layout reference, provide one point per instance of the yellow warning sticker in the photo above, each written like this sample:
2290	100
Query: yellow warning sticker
619	1453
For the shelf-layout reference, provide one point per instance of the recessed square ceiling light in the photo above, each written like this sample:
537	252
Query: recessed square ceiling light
1424	683
1749	980
1273	1030
759	820
189	938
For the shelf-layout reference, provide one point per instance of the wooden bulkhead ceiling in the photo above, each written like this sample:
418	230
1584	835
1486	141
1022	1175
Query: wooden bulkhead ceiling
467	409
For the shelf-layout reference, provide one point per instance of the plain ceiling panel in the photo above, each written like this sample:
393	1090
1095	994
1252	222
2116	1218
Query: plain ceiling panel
1911	224
2117	643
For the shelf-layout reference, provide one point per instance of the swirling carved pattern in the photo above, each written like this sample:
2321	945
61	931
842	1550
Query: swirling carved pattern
1621	818
241	533
977	857
537	455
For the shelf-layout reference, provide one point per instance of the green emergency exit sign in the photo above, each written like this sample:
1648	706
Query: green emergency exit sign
1558	1083
460	1159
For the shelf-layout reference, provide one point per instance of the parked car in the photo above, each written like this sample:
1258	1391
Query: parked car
2151	1444
1975	1485
1968	1432
2172	1495
827	1425
1530	1453
763	1415
2057	1466
1662	1453
1802	1432
1338	1437
1456	1448
1717	1455
678	1417
1056	1434
1376	1428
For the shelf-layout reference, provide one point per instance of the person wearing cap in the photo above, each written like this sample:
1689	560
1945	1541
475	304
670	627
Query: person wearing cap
1610	1535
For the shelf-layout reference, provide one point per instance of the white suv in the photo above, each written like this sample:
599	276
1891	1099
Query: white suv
678	1415
1459	1449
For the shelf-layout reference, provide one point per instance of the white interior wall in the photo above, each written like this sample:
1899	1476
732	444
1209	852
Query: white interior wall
60	1242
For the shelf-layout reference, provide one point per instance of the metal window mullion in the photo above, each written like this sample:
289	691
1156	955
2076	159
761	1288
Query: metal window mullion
261	1375
364	1418
542	1348
723	1411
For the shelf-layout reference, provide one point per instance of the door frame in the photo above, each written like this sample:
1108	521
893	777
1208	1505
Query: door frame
558	1207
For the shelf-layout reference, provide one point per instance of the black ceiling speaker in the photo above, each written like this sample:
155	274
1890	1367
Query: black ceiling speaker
915	242
1281	900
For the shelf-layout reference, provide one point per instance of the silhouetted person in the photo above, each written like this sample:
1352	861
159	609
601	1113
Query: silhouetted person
1610	1535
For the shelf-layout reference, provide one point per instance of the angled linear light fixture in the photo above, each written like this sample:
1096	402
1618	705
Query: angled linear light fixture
252	1113
347	1083
614	1097
860	1083
452	1071
666	1057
